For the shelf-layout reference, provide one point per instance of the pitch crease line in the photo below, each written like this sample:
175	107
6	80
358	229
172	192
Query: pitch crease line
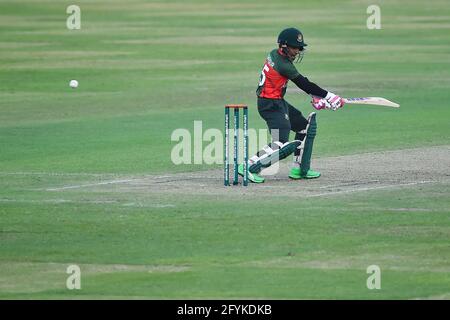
90	185
371	188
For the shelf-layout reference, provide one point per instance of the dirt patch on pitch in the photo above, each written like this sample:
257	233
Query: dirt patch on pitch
31	277
344	174
340	175
395	262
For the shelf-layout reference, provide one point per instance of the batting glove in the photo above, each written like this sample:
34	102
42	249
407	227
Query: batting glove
335	101
320	103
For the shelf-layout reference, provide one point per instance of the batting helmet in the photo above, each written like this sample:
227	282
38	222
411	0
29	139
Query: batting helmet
291	37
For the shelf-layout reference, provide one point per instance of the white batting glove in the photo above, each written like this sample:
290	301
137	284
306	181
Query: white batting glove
335	101
320	103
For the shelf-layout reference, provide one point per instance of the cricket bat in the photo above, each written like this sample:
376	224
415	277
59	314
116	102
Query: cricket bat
372	101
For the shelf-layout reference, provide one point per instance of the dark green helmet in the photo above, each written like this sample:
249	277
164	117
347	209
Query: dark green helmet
291	37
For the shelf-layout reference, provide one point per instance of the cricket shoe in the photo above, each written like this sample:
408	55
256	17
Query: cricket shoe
253	177
295	174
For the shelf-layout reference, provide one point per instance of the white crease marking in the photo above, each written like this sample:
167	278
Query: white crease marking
57	201
57	174
90	185
61	201
370	188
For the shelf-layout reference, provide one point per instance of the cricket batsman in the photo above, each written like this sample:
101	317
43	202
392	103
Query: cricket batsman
281	117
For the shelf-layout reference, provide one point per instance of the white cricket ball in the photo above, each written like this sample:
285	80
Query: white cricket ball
73	84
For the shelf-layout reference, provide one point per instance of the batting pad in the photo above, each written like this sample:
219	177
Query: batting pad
306	151
271	154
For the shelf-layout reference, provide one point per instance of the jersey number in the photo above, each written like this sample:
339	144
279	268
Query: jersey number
262	78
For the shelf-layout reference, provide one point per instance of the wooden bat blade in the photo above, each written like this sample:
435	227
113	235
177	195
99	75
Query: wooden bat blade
372	101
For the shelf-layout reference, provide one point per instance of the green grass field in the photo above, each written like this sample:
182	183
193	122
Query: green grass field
83	172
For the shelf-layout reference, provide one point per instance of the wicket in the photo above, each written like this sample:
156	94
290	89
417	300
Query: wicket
236	108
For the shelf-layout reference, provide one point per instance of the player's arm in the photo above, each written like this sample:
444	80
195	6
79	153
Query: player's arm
334	101
309	87
289	71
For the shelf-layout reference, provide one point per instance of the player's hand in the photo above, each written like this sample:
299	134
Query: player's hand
320	103
335	101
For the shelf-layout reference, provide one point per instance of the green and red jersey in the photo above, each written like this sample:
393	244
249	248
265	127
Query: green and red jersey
276	73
